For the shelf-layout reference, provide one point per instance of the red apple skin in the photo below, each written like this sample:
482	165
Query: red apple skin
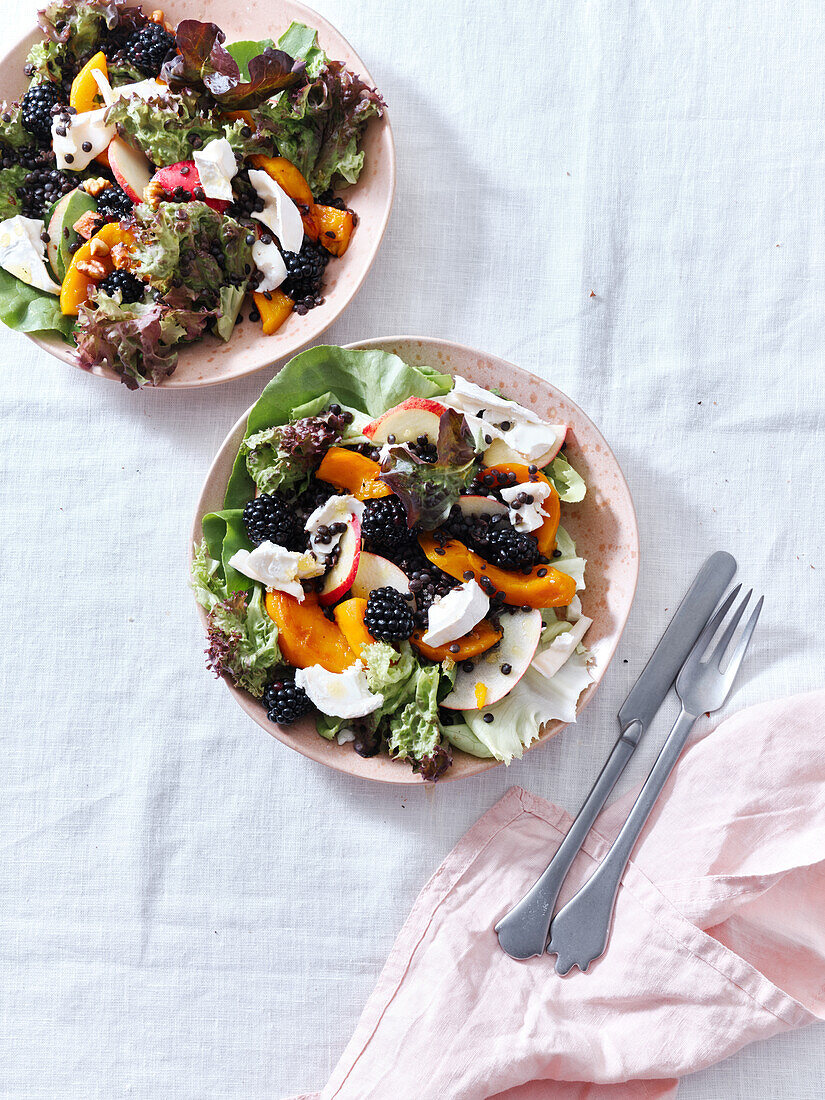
129	167
341	577
172	177
421	413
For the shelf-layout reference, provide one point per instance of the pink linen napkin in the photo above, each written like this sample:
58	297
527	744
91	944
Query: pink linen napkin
718	937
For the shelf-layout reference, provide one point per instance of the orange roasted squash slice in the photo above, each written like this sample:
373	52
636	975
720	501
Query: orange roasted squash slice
543	586
305	635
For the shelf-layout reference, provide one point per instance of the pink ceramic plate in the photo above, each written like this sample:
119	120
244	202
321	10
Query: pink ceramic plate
211	361
603	525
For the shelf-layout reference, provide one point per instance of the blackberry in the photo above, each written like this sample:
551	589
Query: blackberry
37	106
285	702
388	617
130	287
503	545
384	524
40	189
305	275
148	48
271	519
114	203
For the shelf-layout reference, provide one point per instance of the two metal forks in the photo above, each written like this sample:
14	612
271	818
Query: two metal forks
579	932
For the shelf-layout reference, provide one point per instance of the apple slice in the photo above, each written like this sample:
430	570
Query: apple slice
500	452
130	168
341	577
414	417
181	180
486	684
471	506
377	572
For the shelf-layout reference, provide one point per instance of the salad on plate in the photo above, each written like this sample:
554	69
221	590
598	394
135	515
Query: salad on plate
154	179
390	561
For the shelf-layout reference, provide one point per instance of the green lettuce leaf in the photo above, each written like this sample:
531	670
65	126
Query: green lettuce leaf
301	41
12	133
284	457
229	306
319	126
10	180
533	701
461	737
568	483
243	640
26	309
369	381
80	24
165	125
569	562
415	732
175	251
225	533
243	52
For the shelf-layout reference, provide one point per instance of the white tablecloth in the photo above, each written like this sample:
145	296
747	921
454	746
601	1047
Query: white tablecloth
625	197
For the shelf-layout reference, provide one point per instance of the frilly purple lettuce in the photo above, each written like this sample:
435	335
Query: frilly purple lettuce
203	60
139	341
428	490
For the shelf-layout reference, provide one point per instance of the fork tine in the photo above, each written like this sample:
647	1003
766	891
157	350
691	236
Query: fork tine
742	645
705	638
724	641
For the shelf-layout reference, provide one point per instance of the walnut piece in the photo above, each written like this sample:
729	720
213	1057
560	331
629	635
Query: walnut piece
120	257
93	268
155	193
96	187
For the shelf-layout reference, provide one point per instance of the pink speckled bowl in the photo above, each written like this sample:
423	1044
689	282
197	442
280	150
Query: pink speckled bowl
211	361
603	525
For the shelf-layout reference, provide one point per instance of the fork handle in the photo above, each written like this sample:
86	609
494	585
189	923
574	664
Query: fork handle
580	930
522	932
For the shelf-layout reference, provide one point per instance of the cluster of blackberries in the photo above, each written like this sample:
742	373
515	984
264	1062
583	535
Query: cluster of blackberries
270	519
147	49
38	108
384	526
388	616
495	538
114	203
40	189
285	702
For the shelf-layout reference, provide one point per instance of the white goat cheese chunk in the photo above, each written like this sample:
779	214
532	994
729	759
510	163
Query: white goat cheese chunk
455	614
339	694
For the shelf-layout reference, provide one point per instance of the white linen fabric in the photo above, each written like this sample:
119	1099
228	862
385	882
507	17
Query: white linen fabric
625	197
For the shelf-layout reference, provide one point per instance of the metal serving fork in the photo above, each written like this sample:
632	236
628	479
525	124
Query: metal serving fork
580	930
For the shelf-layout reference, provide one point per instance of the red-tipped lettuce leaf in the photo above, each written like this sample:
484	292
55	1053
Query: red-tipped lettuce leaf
203	60
428	490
